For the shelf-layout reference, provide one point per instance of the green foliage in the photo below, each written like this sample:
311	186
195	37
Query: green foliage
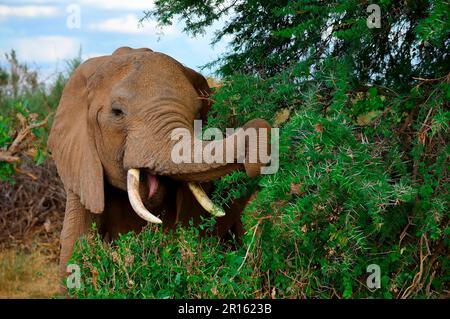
268	36
347	195
364	153
155	264
24	101
9	125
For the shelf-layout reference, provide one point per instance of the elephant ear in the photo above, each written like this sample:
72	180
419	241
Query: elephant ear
204	91
72	143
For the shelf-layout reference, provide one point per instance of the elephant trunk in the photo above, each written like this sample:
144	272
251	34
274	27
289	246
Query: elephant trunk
197	165
194	160
210	160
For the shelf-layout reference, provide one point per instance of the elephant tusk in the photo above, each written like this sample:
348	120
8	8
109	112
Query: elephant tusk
135	199
204	200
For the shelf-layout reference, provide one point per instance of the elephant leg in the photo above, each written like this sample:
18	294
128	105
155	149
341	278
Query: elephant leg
77	221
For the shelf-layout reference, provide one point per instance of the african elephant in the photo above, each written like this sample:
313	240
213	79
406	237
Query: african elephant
111	143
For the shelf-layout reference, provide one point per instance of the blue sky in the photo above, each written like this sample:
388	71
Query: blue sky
45	33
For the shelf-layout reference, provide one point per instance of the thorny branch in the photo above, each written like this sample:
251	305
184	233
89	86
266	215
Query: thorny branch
25	135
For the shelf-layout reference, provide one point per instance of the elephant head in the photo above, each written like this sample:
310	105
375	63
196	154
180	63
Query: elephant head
113	126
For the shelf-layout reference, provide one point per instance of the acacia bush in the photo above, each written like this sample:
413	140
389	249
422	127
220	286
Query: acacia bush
363	179
348	194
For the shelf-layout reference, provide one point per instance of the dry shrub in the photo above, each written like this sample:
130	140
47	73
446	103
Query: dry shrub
32	209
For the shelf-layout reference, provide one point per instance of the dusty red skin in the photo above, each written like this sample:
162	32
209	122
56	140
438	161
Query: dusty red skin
93	146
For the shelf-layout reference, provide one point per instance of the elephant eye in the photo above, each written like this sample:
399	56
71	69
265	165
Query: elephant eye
116	111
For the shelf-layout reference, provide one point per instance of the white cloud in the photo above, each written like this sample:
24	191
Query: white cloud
44	49
119	4
87	56
27	1
27	11
103	4
130	24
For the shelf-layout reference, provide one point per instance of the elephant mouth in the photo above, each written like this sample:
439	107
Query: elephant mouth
151	183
